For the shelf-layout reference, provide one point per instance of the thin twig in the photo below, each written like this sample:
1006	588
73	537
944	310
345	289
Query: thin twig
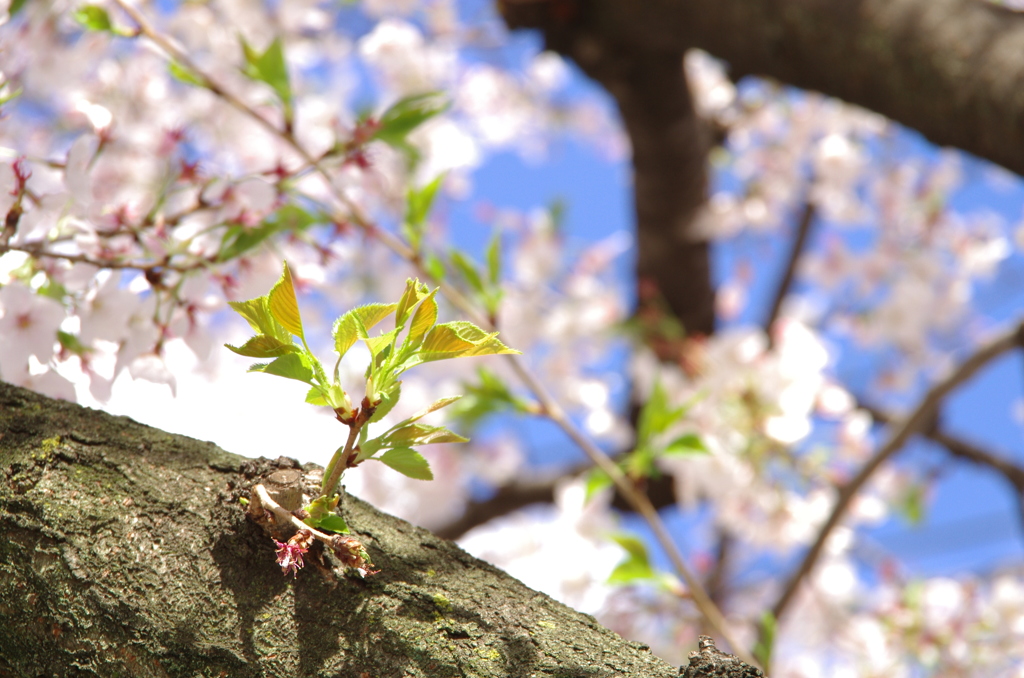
799	245
913	424
41	252
963	449
287	516
550	406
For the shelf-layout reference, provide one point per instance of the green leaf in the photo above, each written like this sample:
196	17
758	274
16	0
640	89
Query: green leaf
238	239
369	448
656	416
913	503
379	343
490	396
93	18
636	566
283	305
689	445
318	508
596	481
263	346
405	115
322	516
469	271
408	462
53	289
418	204
422	434
16	6
270	68
315	396
766	639
291	366
457	340
334	398
494	260
640	464
435	267
71	342
182	74
414	293
423	319
257	313
332	523
14	94
388	400
346	328
433	407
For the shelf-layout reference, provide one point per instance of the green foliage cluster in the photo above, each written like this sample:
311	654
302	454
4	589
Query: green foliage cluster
416	338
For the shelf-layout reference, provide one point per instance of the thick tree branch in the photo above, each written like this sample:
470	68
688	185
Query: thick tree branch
508	498
669	151
917	422
125	552
951	69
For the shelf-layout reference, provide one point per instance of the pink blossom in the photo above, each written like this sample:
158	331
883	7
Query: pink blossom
28	327
289	557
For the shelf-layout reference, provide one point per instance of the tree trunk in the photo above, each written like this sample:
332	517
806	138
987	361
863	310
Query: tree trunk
125	552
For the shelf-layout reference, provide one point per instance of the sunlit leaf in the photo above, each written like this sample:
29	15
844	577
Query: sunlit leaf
657	416
71	342
424	318
257	313
10	96
414	293
689	445
346	328
423	434
419	201
93	18
369	448
270	68
239	239
405	115
766	639
316	397
388	400
335	396
332	523
291	366
379	343
322	516
489	395
494	260
182	74
595	481
435	267
433	407
456	340
408	462
464	265
283	304
262	346
636	566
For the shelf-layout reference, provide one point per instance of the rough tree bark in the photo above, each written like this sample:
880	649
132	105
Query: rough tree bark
124	552
951	69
